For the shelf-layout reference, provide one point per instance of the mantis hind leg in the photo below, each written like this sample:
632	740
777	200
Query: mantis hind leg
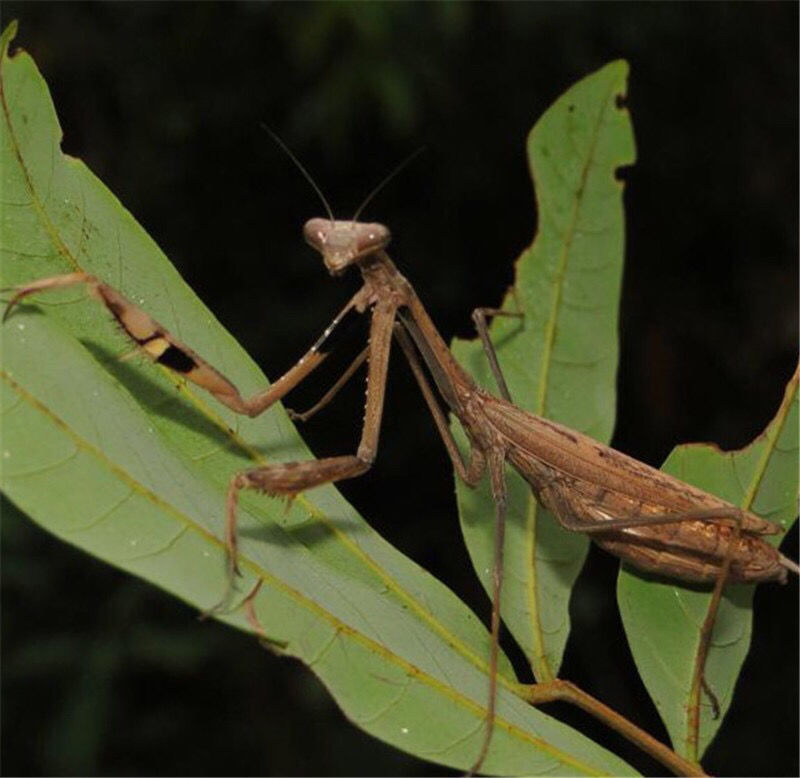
568	513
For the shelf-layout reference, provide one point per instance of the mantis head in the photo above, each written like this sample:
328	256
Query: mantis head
345	243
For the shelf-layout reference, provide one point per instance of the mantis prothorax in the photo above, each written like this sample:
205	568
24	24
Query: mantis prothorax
645	517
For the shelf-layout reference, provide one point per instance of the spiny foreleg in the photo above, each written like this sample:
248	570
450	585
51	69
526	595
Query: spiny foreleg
162	347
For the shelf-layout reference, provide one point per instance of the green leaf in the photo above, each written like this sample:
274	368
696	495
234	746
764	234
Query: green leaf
123	460
663	621
561	361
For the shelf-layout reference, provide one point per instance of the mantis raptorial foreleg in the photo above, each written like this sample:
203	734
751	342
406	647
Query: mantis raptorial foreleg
290	478
286	479
162	347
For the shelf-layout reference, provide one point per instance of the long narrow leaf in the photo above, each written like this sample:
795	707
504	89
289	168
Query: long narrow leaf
663	621
128	463
561	361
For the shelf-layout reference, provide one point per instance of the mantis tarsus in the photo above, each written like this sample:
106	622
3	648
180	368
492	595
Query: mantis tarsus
645	517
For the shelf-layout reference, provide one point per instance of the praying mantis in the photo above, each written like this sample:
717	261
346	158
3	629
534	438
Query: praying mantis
647	518
165	348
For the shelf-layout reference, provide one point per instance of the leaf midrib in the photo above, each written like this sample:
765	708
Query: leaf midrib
532	590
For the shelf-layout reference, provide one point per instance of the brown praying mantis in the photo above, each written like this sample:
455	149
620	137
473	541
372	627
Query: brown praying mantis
651	520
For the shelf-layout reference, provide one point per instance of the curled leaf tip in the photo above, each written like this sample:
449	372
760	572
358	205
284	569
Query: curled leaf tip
7	36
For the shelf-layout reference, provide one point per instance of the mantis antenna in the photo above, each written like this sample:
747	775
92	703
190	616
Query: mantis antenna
313	183
410	158
300	167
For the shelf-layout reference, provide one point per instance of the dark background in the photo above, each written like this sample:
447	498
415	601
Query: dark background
104	674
